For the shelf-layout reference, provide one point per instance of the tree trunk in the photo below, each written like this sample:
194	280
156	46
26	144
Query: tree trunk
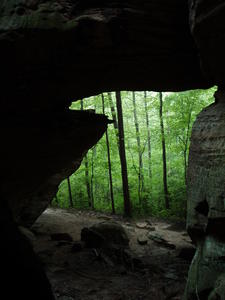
126	194
87	180
166	193
92	177
115	123
109	161
113	111
140	162
149	139
87	169
70	192
186	145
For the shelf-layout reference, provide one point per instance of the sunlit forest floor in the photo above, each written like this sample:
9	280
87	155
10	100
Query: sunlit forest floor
155	268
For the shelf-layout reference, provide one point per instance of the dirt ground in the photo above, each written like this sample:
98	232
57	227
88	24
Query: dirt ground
157	271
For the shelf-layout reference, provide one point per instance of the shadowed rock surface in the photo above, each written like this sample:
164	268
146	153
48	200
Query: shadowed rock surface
54	52
206	205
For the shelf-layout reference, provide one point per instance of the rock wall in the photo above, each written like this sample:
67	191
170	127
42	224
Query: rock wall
206	203
208	27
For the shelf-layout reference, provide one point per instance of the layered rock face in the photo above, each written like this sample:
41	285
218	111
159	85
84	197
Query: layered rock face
206	203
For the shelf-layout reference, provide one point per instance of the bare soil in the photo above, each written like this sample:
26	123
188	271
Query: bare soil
156	272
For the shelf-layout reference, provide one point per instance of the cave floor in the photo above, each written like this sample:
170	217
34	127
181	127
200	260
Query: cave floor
159	273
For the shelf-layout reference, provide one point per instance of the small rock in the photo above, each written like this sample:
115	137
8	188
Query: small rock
170	275
185	234
142	225
105	218
63	243
160	240
142	240
77	247
61	237
150	228
149	222
128	224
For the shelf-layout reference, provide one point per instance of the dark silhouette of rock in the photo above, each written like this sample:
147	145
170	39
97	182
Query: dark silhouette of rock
142	239
61	236
54	52
187	253
156	237
206	214
105	234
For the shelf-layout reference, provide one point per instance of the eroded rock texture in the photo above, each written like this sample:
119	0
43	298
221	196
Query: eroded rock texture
57	51
53	52
208	27
206	205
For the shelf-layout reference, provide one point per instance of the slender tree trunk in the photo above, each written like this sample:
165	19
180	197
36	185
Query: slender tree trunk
166	193
86	164
149	139
87	180
115	123
186	145
70	192
113	111
109	161
140	165
126	194
92	177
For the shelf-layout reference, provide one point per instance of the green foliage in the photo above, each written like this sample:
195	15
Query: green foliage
180	111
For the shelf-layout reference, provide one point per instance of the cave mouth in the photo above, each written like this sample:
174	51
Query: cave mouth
90	187
157	261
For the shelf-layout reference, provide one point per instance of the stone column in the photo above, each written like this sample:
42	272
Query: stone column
206	203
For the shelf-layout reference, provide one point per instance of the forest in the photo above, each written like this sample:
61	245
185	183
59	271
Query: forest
139	167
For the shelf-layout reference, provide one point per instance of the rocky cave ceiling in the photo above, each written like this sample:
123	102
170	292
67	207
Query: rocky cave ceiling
58	51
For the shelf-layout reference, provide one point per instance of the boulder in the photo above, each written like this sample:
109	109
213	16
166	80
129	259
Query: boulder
142	225
105	234
61	236
156	237
206	202
142	239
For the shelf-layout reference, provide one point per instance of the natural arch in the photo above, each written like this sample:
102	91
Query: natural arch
53	52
